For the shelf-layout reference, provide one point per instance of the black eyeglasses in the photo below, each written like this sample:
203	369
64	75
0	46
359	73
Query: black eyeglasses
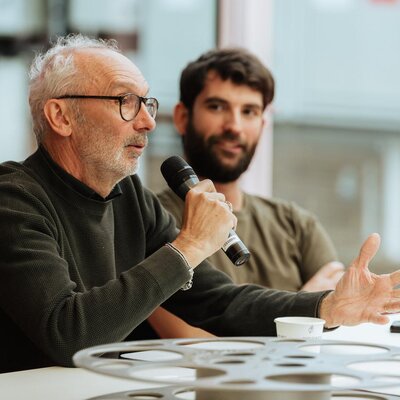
129	103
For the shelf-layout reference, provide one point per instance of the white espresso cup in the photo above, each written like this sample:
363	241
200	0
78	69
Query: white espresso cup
299	327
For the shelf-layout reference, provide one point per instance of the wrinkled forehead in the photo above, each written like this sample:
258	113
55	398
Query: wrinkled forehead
107	70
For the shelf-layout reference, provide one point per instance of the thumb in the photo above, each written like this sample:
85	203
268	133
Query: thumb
368	250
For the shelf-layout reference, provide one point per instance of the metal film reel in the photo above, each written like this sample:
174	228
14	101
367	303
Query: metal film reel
188	393
251	368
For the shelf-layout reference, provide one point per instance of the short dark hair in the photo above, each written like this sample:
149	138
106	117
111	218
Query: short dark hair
235	64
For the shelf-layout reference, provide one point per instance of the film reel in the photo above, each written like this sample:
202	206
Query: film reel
251	368
188	393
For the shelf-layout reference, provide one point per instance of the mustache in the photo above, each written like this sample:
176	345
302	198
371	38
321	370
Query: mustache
227	136
141	140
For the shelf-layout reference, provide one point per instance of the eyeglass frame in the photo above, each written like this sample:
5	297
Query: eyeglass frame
120	98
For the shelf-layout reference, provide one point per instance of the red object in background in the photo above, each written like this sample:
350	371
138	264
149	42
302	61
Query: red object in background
384	1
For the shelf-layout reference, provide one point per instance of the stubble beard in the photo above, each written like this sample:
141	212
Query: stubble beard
97	151
205	160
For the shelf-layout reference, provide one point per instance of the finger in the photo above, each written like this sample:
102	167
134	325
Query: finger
229	204
215	196
368	251
205	185
206	196
395	278
396	294
226	205
379	319
392	307
234	222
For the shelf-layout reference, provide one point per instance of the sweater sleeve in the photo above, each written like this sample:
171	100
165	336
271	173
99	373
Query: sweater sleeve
217	305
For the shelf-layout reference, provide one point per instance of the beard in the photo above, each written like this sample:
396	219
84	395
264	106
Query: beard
98	150
204	158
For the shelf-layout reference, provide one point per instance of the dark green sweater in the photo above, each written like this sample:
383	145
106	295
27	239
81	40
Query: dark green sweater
78	271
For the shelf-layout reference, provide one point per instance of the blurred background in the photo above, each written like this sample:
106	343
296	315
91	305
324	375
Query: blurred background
332	143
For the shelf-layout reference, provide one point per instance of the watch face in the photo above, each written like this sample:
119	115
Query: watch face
189	283
395	327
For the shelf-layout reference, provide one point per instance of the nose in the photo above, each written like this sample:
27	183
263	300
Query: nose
233	122
144	122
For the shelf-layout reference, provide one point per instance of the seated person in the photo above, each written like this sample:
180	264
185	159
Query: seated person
223	95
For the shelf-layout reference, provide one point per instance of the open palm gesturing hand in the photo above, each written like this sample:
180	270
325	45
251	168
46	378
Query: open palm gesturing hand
360	295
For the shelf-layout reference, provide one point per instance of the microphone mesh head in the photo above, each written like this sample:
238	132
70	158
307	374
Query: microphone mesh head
175	171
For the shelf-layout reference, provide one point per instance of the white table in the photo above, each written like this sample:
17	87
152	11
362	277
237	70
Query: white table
369	333
78	384
366	333
60	383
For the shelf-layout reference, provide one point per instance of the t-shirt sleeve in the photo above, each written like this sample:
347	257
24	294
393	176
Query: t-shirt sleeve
314	243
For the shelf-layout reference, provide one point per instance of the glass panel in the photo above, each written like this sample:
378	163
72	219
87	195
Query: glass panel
337	118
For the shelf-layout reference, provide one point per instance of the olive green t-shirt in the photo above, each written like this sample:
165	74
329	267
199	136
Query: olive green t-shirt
287	243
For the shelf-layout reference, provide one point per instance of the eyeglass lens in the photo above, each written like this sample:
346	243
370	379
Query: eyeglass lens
130	106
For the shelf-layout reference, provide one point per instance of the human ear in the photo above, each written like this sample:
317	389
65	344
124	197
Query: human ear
58	116
181	117
264	122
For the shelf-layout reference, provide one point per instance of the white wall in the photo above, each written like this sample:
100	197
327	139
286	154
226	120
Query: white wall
18	20
15	136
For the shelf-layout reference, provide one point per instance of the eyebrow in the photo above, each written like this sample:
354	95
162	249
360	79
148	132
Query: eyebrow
214	99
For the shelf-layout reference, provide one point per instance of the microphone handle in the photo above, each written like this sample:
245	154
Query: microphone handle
234	248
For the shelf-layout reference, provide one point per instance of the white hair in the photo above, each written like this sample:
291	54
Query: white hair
53	74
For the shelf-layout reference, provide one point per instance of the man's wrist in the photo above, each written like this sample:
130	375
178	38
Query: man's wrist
189	283
190	250
325	310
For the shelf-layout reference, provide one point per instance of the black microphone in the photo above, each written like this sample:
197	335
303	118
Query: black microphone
181	178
